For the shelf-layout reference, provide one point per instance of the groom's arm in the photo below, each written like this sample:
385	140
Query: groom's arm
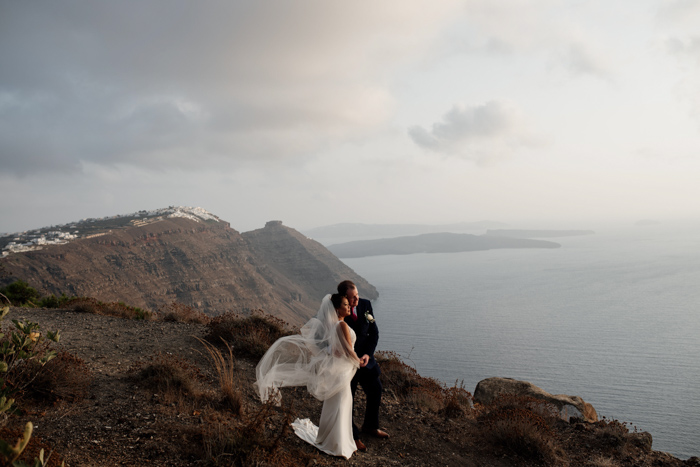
372	333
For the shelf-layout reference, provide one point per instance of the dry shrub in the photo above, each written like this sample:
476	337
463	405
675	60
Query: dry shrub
117	309
404	382
226	371
522	426
179	313
401	379
173	377
457	401
66	377
613	436
249	335
247	440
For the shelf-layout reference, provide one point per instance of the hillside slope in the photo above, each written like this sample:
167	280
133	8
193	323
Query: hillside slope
206	265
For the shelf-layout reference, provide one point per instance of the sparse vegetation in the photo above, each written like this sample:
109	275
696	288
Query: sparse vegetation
64	378
117	309
523	427
403	382
203	410
19	293
23	354
249	336
226	372
179	313
173	378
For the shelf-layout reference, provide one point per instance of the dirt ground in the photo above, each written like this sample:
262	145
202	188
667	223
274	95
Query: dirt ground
121	423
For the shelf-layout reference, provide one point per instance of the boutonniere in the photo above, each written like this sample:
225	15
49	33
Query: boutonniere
369	317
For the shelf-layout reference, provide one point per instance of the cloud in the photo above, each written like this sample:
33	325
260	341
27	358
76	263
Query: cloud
479	132
182	83
542	28
581	58
679	12
678	20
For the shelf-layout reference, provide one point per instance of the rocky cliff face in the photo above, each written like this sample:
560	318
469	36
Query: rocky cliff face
206	265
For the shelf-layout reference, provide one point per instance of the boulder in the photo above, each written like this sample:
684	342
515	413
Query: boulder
569	407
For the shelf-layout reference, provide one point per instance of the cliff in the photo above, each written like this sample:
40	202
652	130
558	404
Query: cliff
206	265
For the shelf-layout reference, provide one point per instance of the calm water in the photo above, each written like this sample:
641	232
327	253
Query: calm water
613	318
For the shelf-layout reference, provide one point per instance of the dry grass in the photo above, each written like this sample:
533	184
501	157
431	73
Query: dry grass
226	372
117	309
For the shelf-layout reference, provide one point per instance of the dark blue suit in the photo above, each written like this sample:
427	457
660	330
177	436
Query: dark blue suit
367	335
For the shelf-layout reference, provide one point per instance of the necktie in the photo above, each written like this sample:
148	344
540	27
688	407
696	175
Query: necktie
354	314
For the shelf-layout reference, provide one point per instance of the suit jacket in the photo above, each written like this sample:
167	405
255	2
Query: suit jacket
366	332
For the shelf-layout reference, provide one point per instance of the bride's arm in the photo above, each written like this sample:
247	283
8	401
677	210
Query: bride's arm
344	331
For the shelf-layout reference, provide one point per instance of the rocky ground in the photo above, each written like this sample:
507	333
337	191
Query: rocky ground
122	422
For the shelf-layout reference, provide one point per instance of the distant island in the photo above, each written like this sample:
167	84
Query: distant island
432	243
395	230
521	233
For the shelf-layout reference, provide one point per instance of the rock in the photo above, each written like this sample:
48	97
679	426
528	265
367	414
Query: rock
642	440
569	407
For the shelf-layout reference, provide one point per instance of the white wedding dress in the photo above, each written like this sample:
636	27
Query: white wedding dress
321	359
333	435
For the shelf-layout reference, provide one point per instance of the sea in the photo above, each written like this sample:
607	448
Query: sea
612	317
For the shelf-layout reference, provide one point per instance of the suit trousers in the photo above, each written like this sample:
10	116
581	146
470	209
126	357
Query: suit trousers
368	378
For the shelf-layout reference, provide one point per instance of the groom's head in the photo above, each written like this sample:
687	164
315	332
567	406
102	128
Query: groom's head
348	290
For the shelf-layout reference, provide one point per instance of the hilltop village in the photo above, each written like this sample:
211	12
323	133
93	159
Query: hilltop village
36	239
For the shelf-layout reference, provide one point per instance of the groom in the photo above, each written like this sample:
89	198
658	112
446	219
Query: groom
361	320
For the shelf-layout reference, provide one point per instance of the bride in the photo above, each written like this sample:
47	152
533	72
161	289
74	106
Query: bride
322	359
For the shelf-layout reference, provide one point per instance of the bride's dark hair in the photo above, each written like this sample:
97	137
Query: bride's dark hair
337	300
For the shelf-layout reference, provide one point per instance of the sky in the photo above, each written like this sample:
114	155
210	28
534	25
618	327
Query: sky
317	112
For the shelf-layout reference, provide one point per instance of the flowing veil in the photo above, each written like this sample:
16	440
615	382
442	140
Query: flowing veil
319	358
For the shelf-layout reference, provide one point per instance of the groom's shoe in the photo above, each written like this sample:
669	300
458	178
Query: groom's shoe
377	433
360	445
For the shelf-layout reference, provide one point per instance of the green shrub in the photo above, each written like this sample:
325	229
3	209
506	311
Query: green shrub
23	353
52	301
20	293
